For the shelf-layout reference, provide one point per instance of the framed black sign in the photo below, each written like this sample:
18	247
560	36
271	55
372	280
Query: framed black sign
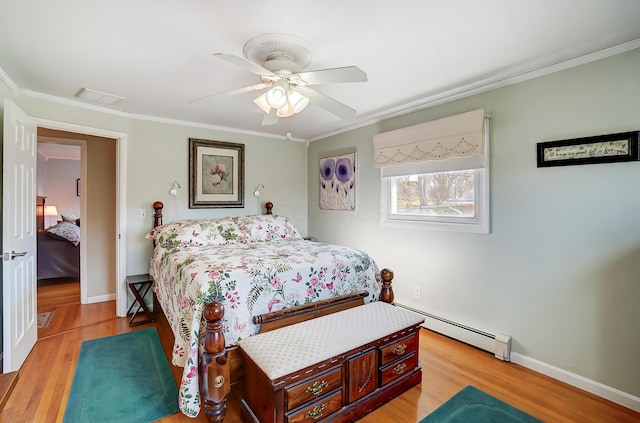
622	147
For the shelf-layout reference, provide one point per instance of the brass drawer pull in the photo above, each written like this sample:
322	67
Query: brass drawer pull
317	387
399	369
317	411
399	349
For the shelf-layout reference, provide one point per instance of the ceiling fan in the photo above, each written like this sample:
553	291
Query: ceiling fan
279	61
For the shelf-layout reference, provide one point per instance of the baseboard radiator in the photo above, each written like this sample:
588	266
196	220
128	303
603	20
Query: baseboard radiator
498	344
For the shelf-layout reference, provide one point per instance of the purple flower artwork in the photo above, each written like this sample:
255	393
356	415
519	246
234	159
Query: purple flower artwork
338	182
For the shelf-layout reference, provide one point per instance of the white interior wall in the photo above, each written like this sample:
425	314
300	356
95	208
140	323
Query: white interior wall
61	185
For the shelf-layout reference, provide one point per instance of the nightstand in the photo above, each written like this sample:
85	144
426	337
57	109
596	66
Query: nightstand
139	286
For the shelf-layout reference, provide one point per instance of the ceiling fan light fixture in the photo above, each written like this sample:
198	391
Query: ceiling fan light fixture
277	96
285	111
297	101
261	101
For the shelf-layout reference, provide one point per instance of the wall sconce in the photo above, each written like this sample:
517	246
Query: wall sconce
257	191
173	190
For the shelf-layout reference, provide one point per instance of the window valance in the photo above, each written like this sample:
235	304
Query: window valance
458	140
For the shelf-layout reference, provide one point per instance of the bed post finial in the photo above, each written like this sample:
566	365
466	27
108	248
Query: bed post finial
157	216
386	294
269	206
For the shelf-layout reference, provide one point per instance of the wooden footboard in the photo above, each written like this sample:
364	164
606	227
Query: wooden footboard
219	366
215	378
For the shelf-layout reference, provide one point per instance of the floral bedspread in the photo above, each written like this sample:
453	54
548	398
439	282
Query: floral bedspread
249	279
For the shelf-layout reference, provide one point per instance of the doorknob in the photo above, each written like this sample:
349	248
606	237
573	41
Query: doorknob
14	254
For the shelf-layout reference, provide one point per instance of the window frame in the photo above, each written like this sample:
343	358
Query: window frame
477	224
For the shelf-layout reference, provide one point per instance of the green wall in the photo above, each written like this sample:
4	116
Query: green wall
560	270
157	154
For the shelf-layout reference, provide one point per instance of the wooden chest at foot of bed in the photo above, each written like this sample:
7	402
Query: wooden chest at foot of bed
333	368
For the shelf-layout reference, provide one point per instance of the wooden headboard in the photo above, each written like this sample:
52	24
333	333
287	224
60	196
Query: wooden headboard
40	213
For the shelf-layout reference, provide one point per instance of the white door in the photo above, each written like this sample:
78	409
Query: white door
20	329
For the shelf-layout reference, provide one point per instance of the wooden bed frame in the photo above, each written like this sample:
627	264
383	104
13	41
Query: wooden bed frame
219	366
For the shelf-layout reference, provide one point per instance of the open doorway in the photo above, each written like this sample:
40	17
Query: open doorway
58	211
87	192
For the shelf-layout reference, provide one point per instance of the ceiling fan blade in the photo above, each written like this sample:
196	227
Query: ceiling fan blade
329	104
332	76
234	92
250	66
270	118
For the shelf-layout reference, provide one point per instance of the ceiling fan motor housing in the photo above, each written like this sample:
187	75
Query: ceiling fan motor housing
279	52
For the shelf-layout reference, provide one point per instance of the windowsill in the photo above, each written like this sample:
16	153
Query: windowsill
478	228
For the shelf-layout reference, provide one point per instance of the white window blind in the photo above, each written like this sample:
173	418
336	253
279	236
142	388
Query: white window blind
452	143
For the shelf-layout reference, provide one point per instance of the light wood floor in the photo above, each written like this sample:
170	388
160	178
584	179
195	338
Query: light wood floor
448	366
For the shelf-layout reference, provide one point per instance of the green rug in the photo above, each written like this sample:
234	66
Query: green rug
471	405
122	378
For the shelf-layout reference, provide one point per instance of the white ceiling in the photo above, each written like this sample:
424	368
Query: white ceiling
158	54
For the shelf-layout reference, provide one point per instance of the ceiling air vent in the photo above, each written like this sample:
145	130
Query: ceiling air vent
98	97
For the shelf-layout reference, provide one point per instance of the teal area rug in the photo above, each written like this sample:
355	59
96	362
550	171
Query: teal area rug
471	405
122	378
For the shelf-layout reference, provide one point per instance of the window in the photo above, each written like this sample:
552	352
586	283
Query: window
436	175
442	200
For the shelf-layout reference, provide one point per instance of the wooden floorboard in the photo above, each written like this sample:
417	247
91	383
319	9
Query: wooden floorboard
41	392
8	382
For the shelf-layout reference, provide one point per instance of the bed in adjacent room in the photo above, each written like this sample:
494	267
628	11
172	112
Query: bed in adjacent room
58	247
221	280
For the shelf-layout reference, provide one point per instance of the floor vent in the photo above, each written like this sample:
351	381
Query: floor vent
498	344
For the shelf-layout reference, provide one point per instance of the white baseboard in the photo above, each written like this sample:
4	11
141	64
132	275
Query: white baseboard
101	298
487	342
596	388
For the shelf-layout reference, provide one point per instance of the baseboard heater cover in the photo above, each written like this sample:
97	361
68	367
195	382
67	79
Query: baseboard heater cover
499	344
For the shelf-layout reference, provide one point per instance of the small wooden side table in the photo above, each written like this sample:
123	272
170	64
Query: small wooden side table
139	286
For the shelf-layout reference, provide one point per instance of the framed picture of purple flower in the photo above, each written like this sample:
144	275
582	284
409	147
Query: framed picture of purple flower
216	174
338	182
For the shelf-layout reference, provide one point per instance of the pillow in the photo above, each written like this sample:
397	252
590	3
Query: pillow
266	227
65	231
68	217
195	232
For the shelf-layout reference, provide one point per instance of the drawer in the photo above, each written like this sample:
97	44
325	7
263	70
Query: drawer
318	410
397	349
312	388
398	368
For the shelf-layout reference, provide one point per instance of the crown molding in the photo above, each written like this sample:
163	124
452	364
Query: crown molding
4	77
149	118
488	84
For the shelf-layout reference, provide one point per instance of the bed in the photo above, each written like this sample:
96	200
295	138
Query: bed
58	247
221	280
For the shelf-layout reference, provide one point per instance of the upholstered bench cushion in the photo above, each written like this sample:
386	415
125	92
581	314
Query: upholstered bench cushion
291	348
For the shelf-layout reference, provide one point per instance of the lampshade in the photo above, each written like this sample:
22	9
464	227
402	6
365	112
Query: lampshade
286	101
50	211
277	96
285	111
261	102
297	101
